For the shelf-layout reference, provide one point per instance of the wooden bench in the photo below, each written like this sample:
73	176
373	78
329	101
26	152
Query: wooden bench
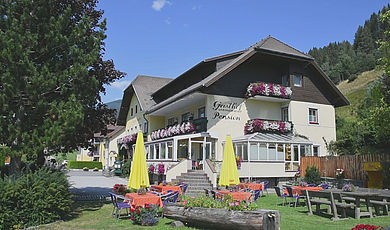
381	202
334	202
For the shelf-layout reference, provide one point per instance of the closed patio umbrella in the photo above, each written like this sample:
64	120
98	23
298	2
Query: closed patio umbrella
139	173
229	172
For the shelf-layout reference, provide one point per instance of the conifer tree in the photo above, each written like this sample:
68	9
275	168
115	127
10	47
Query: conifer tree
51	75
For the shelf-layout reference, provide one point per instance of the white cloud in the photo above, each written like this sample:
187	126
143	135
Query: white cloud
120	84
168	21
159	4
196	7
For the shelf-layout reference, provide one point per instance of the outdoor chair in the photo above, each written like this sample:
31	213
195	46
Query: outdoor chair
324	186
217	195
170	197
280	195
311	185
292	196
256	194
118	206
265	186
207	192
183	188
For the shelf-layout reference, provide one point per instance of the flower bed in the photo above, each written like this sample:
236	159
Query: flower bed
259	125
146	216
183	128
268	89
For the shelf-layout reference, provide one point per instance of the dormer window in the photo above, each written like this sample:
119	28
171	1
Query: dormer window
297	80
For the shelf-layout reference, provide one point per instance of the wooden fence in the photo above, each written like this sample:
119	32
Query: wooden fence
352	164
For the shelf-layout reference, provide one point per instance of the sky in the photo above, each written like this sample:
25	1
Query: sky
165	38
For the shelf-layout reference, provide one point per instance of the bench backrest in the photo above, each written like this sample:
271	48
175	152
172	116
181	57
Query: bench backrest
319	194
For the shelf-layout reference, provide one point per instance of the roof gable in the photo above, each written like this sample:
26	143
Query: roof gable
142	87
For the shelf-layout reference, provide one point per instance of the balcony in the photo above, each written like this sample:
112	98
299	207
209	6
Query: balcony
269	126
200	124
268	92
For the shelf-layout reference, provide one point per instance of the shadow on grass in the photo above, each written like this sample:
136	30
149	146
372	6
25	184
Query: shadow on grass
81	206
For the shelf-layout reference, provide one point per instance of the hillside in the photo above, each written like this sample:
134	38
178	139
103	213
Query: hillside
355	92
115	105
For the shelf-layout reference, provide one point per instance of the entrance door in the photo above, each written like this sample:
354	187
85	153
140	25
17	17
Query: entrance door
198	156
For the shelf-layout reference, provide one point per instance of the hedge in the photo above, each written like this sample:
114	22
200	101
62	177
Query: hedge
34	198
82	164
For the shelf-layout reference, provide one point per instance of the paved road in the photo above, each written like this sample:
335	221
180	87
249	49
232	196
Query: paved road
92	185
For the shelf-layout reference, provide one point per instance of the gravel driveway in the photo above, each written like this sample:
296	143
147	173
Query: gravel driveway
91	185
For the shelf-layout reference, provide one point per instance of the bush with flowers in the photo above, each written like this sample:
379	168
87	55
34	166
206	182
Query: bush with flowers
268	89
349	188
160	168
119	188
367	227
210	202
261	125
151	169
146	216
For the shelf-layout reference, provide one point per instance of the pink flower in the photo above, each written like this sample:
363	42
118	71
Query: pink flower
237	203
231	204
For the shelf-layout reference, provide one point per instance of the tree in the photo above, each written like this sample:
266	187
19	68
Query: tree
51	75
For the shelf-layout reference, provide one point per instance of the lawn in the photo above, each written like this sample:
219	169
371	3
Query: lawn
98	216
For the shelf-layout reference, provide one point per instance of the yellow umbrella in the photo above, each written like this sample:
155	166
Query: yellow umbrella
229	172
139	173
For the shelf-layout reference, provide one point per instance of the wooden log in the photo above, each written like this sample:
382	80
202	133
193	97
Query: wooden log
217	218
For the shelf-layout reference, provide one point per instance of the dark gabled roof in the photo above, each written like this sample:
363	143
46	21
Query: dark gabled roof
111	131
143	87
274	45
268	45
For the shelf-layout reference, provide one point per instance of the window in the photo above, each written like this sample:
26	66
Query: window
285	114
187	117
297	80
285	80
316	151
201	112
254	152
170	149
136	109
313	116
163	150
262	151
280	152
131	112
172	121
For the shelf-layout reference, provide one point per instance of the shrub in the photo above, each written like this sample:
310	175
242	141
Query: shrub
126	168
82	164
34	198
312	175
146	216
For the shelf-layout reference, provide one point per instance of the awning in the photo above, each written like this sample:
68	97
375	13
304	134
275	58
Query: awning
272	138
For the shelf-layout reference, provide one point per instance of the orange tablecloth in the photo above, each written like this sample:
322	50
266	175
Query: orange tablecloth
298	189
252	186
237	195
141	200
164	188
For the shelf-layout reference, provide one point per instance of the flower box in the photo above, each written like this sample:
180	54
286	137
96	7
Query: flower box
268	89
259	125
127	141
219	218
183	128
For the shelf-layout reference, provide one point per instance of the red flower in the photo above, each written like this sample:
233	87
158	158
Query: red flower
138	211
132	209
132	218
147	207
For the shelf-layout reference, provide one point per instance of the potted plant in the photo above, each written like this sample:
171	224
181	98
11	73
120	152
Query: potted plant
146	216
160	171
85	169
151	170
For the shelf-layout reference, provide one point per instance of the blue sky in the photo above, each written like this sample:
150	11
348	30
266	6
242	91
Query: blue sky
165	38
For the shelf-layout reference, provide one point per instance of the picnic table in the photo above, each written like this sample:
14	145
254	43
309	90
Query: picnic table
165	188
297	190
237	196
251	186
141	200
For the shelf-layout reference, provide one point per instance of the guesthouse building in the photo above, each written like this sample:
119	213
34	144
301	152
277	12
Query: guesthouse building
274	100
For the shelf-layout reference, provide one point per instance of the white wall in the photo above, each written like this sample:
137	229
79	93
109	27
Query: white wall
231	121
299	115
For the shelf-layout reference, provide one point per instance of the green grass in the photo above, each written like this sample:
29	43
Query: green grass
90	215
355	92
